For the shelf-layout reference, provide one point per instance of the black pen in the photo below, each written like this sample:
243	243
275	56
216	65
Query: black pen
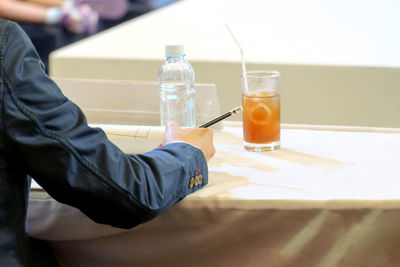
220	118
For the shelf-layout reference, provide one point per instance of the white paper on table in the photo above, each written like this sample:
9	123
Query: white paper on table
133	138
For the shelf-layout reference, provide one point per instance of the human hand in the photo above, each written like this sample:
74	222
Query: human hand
202	138
79	18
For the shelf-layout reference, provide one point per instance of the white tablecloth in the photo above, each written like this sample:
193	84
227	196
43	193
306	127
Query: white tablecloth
329	197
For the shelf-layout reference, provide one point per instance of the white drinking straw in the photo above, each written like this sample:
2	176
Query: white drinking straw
244	72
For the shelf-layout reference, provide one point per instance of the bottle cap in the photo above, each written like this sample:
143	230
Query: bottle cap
174	50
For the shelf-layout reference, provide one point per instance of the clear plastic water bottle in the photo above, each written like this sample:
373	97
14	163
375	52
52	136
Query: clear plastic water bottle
177	94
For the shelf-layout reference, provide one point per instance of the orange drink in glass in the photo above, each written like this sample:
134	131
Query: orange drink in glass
261	111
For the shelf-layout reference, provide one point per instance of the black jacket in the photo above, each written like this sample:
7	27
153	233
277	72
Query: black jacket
46	136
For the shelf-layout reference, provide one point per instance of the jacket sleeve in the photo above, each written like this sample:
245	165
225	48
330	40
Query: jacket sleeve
49	139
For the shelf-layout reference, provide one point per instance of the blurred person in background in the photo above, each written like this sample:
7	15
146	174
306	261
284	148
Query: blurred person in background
80	16
52	24
76	17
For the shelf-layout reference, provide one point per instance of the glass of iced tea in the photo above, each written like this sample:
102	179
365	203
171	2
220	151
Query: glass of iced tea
261	111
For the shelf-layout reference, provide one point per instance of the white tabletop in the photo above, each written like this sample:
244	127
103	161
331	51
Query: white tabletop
339	33
317	166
